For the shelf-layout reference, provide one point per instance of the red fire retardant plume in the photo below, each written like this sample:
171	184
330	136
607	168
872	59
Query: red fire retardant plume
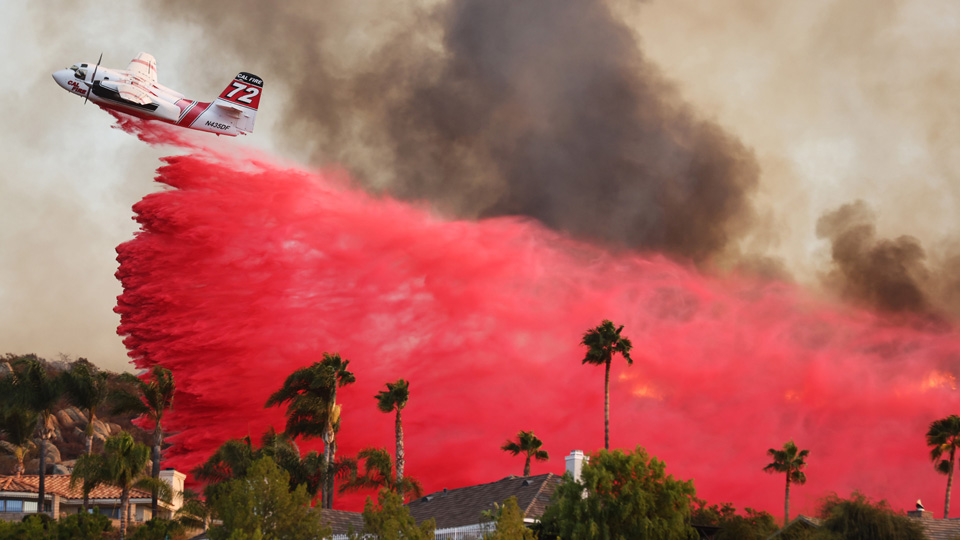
246	270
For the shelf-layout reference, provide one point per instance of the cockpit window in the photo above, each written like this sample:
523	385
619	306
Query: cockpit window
81	74
83	65
74	67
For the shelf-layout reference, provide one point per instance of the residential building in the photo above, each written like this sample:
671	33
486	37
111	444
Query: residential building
18	497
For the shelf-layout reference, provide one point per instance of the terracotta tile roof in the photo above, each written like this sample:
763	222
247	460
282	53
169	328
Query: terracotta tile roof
60	484
341	520
941	529
465	506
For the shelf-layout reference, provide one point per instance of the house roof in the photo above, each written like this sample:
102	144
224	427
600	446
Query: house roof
941	529
465	506
341	520
799	521
60	484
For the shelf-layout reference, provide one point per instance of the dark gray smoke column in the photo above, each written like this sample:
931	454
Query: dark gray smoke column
890	274
542	108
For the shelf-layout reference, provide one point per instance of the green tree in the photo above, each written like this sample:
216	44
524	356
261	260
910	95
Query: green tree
313	411
158	529
943	437
32	389
234	457
83	526
752	525
395	398
389	519
17	426
602	343
859	518
122	464
195	512
378	474
87	389
621	496
152	397
529	444
790	461
260	505
510	525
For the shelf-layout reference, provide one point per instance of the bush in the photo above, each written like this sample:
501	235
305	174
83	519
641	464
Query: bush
33	527
859	518
83	527
158	529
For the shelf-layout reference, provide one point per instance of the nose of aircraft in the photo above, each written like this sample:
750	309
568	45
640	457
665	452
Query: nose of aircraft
62	77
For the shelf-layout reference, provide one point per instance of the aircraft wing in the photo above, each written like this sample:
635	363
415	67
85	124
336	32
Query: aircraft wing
144	66
134	94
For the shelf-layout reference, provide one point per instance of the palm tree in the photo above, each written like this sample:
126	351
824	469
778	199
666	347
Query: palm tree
602	343
195	512
313	410
529	444
377	474
86	387
17	426
32	389
788	460
944	437
151	398
235	457
395	397
123	464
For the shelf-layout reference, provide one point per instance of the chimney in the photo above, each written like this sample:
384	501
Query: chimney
920	512
575	462
175	479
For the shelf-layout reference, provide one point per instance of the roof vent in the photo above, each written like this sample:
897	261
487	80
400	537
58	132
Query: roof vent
527	482
428	498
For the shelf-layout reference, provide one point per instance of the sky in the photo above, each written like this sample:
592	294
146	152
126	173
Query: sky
802	109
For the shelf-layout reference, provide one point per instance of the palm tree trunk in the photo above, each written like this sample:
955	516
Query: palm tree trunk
606	406
88	434
124	506
946	505
329	453
41	491
399	431
526	466
786	502
155	473
19	468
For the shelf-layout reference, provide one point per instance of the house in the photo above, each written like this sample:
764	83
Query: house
18	497
469	512
934	529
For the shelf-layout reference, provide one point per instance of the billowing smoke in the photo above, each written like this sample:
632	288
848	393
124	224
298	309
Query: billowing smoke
247	270
887	273
895	275
544	108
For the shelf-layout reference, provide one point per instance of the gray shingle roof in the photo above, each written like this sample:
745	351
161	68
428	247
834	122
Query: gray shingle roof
341	520
941	529
465	506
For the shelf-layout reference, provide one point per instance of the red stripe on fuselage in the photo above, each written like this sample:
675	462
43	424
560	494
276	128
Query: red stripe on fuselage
190	113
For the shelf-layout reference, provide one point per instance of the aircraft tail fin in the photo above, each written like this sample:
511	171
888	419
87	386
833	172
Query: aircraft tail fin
241	99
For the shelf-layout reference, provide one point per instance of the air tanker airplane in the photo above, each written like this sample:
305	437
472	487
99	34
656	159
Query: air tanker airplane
135	91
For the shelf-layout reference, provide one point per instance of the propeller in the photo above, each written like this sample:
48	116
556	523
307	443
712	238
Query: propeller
93	79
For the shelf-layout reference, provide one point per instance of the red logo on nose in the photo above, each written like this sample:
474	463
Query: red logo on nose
75	87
